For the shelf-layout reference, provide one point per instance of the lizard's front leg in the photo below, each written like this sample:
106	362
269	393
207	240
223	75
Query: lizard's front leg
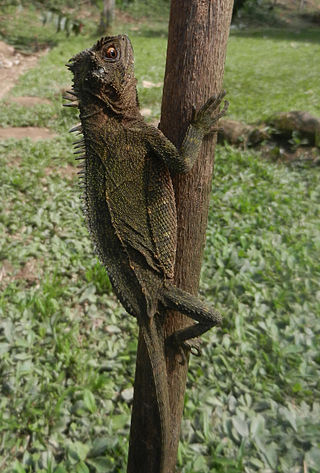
202	123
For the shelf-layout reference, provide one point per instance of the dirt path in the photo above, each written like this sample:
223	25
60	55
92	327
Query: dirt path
33	132
12	65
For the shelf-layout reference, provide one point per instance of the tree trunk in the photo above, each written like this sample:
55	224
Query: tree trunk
107	16
198	33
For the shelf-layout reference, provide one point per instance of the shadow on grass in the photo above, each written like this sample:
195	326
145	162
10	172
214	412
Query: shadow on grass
305	35
155	33
30	45
153	30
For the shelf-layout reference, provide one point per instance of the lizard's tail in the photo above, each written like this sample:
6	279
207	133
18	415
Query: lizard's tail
158	364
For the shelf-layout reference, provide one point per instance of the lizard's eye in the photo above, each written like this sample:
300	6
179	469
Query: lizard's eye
111	53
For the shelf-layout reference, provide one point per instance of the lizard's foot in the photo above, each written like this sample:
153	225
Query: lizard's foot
205	118
193	346
187	346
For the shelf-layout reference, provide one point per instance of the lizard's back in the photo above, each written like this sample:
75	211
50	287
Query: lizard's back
130	211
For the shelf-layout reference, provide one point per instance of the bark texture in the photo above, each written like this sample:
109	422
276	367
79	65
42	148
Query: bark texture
198	34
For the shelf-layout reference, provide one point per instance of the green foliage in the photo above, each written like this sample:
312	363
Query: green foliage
237	5
255	70
67	349
14	114
22	28
261	263
97	274
147	8
258	12
62	22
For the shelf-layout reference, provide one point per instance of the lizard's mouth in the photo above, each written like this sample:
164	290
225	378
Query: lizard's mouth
99	73
88	75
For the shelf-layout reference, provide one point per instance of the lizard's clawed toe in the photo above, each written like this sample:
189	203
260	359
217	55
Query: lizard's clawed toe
192	346
187	346
210	113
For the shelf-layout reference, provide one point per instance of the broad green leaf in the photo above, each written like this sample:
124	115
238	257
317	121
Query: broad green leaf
99	447
18	468
271	454
257	425
89	401
60	469
313	457
78	450
101	464
241	426
289	416
119	421
82	468
199	464
4	348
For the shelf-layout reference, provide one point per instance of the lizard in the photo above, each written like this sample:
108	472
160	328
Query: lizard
129	202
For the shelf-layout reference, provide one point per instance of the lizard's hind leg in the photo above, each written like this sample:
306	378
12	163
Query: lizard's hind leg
206	316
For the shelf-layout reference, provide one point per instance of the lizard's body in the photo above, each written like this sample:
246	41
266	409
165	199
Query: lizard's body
124	244
129	200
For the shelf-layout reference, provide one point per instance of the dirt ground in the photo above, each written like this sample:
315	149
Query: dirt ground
12	65
32	132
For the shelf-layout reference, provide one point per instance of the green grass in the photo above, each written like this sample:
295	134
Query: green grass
272	71
68	348
20	27
152	9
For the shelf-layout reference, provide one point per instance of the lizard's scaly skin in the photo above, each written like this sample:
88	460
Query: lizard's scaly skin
129	201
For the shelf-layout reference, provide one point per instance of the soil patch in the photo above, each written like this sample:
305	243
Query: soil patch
12	64
32	132
28	101
68	171
15	162
30	272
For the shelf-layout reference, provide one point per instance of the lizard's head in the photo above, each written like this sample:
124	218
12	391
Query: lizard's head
104	70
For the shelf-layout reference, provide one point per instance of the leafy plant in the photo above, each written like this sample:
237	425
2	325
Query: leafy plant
62	22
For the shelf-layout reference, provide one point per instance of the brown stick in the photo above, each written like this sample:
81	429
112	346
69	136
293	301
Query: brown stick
198	33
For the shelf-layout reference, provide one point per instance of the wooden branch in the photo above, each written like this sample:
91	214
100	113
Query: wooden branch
198	33
240	134
278	127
